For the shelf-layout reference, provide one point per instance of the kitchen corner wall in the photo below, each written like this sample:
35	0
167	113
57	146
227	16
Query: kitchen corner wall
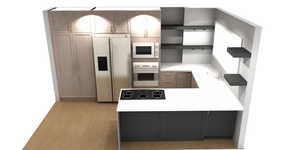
72	46
250	33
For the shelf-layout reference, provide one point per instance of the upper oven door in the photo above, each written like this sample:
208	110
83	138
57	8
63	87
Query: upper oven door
143	50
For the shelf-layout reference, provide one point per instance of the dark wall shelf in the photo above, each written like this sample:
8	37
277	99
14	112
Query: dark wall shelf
181	27
180	46
235	80
238	52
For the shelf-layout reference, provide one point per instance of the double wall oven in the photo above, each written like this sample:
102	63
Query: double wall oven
145	74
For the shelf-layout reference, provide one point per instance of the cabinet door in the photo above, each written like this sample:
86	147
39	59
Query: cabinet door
82	22
61	21
183	79
153	25
103	22
140	126
82	44
138	26
66	63
120	22
167	79
182	125
220	124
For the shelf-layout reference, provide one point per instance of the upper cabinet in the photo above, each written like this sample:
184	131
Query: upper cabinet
103	22
120	21
61	21
138	23
145	25
199	16
98	22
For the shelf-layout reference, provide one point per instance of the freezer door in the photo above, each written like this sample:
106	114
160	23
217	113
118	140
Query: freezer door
121	64
102	61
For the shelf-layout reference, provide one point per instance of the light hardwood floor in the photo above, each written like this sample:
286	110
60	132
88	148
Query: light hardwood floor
92	126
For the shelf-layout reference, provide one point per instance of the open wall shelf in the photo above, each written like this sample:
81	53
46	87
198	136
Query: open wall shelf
238	52
180	46
182	27
235	80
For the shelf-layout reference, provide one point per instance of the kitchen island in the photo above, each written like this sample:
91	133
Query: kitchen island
185	114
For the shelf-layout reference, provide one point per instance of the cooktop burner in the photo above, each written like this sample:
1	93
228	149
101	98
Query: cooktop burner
143	95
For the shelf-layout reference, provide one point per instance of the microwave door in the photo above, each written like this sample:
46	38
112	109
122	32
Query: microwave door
143	50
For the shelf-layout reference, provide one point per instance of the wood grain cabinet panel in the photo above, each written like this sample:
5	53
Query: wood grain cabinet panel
175	79
103	22
183	79
167	79
65	59
82	45
146	25
61	21
75	68
120	22
82	22
153	25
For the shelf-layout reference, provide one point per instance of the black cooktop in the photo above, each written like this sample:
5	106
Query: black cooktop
143	95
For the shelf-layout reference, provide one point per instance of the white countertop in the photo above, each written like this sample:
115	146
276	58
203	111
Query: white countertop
212	95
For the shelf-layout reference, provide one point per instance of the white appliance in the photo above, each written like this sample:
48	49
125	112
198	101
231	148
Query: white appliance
112	57
145	50
145	74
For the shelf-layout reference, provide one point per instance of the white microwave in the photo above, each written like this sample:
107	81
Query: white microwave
145	50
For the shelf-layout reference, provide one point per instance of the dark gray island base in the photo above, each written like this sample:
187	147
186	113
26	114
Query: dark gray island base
176	125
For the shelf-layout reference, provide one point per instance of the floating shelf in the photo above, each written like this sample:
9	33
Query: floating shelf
171	46
238	52
182	27
235	80
180	46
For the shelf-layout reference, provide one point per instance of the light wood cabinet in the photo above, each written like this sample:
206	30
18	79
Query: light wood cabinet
64	58
61	21
82	22
153	25
183	79
145	26
103	22
167	79
175	79
120	22
74	62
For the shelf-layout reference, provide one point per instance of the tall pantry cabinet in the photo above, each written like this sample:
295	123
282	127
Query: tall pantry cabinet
73	52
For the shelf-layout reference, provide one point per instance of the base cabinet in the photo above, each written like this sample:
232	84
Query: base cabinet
172	126
142	126
175	79
220	124
182	125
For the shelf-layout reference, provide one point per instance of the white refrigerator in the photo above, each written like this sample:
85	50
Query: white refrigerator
112	58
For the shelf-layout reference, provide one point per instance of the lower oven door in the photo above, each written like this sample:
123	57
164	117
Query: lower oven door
145	79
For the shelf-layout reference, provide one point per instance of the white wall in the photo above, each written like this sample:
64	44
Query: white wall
27	93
